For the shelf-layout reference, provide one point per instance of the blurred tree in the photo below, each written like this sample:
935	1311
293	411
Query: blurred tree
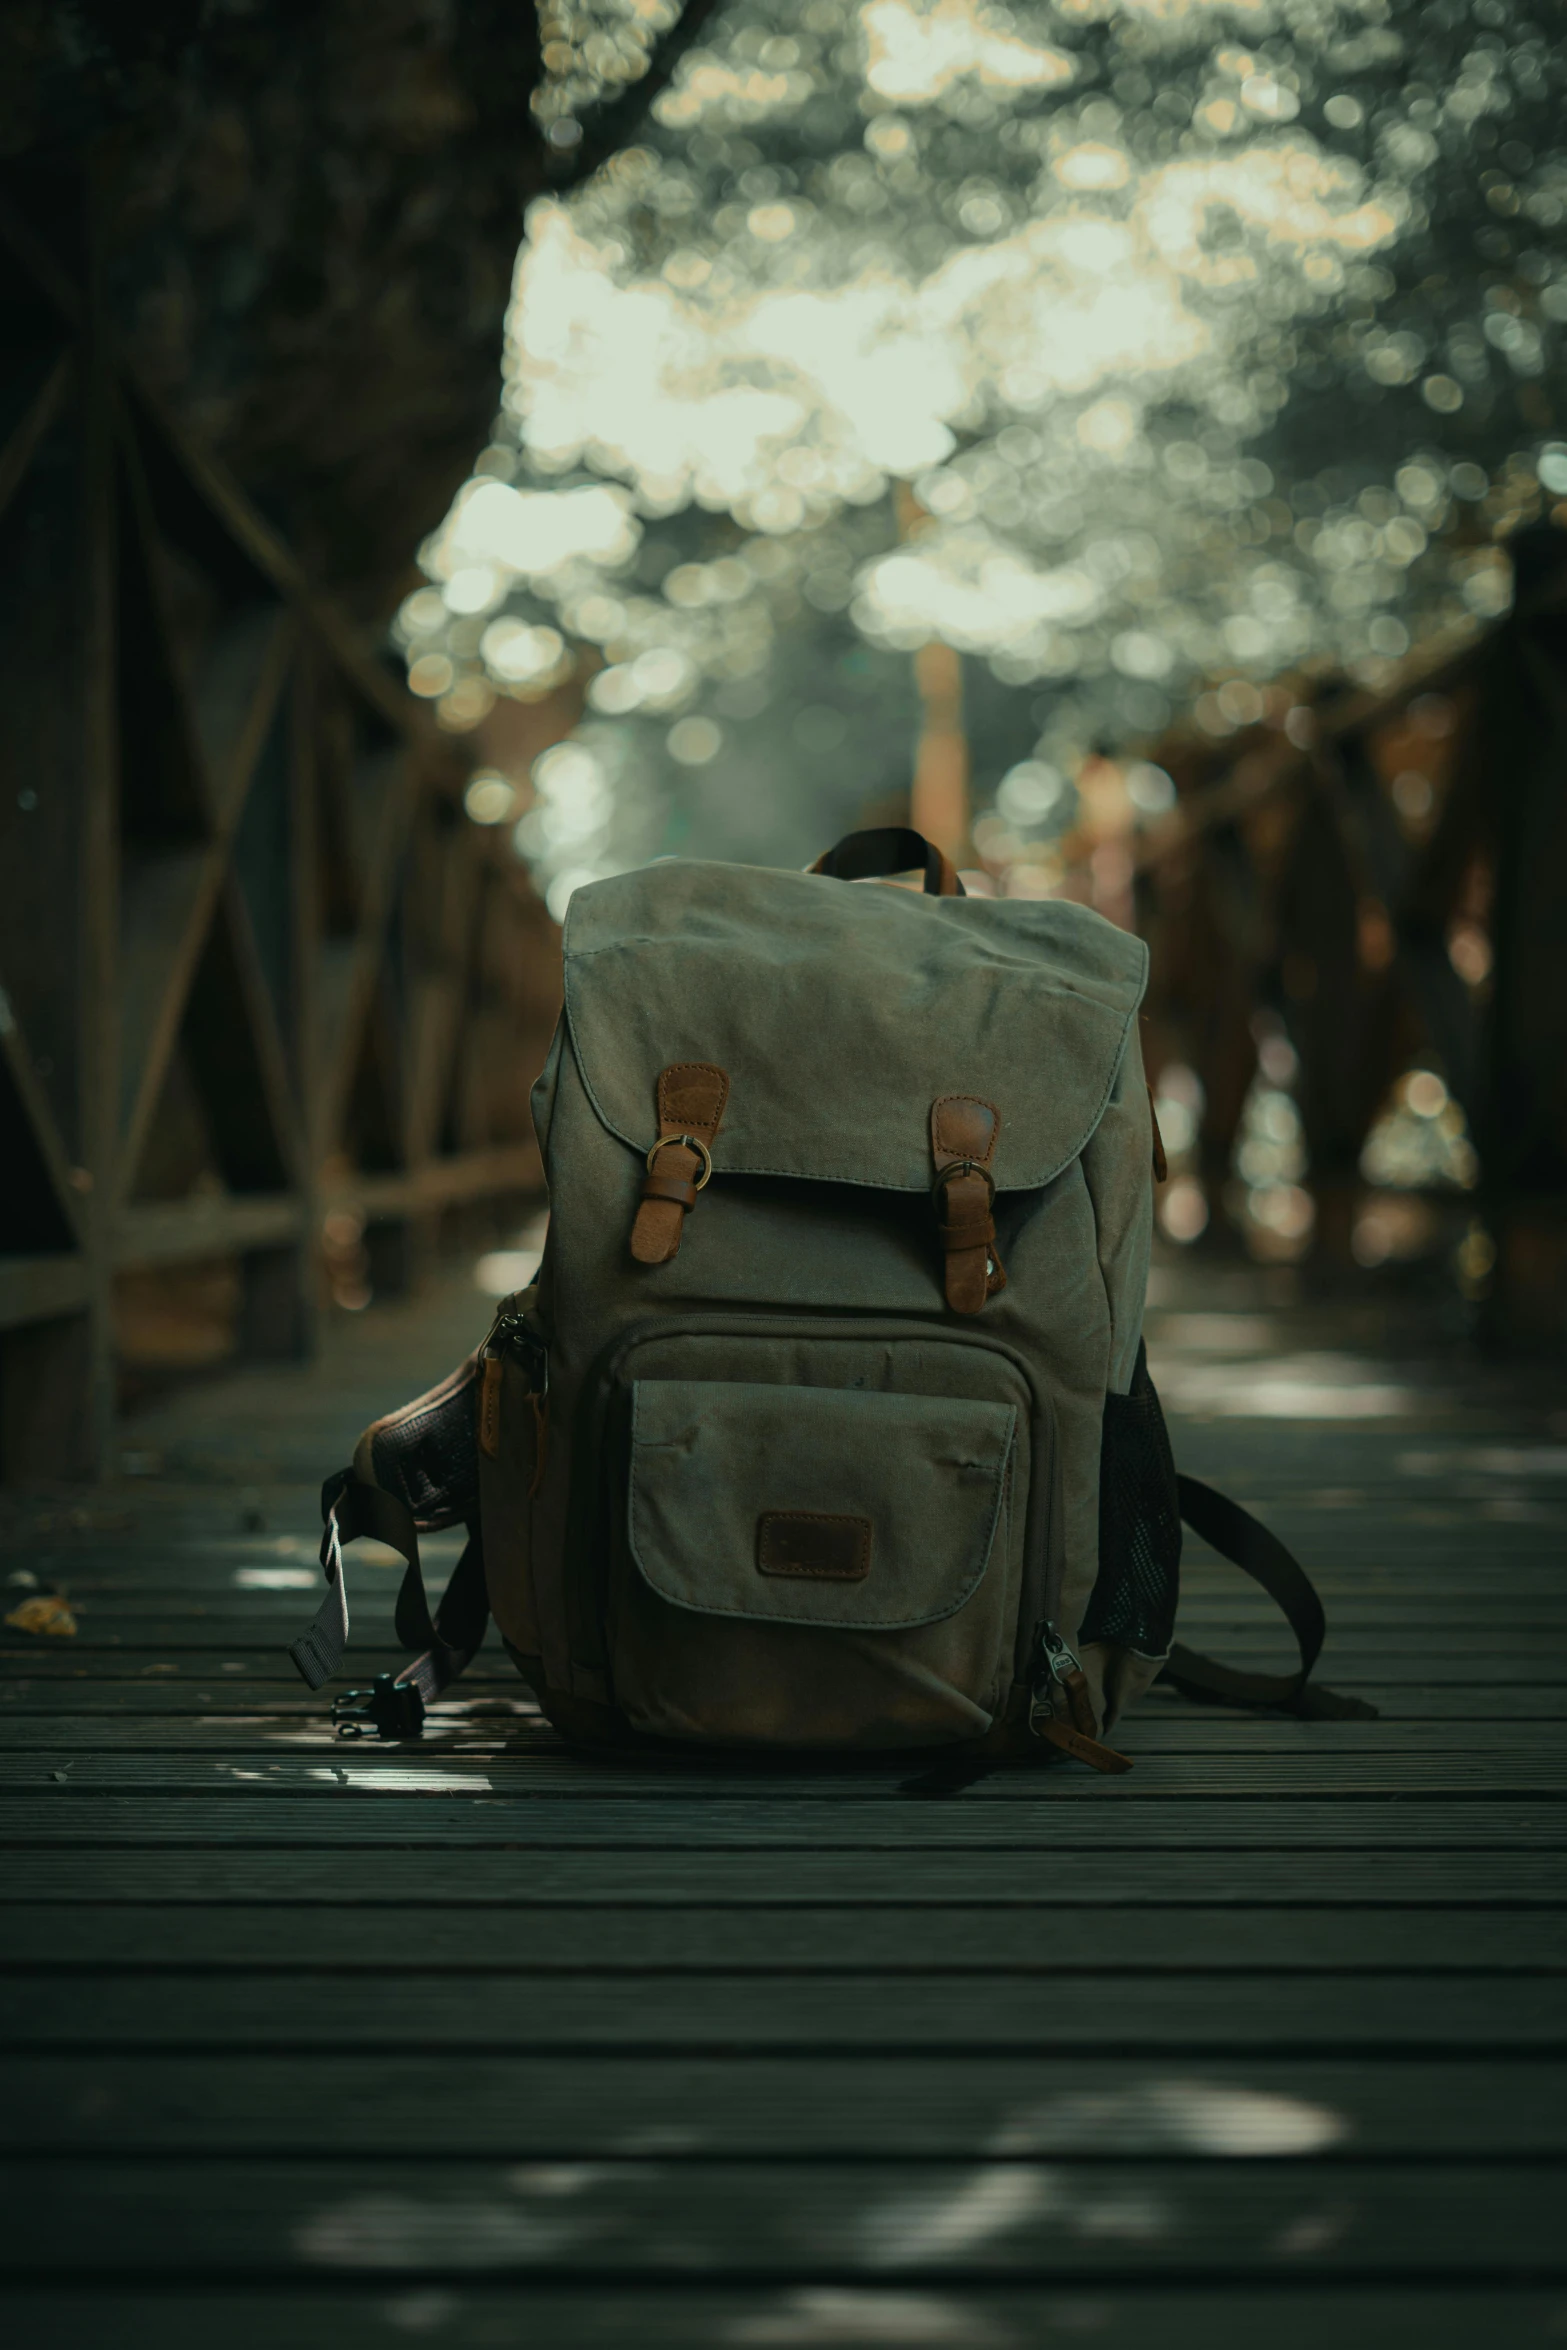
307	213
1213	341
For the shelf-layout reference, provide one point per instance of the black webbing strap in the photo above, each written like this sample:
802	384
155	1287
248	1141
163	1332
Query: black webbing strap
1242	1539
446	1642
318	1652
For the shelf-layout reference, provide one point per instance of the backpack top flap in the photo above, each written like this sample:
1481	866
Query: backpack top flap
841	1013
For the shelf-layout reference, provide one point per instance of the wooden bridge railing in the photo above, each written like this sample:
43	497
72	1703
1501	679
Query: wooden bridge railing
257	971
1387	870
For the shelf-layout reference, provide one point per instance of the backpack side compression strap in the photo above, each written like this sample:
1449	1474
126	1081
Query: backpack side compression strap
447	1641
1236	1535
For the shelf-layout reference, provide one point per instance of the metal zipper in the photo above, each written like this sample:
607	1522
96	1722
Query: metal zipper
509	1334
1057	1661
1077	1734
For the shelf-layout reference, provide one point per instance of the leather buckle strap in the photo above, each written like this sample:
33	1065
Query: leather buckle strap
963	1167
671	1187
665	1179
691	1142
691	1100
963	1136
977	1223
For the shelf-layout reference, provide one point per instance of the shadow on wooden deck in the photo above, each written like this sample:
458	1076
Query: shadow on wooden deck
474	2043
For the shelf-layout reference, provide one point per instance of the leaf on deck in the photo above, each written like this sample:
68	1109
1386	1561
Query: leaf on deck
48	1612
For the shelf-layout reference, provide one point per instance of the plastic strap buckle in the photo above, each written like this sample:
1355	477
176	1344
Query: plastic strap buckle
387	1709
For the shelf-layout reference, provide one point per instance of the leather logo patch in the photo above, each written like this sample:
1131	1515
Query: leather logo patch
813	1542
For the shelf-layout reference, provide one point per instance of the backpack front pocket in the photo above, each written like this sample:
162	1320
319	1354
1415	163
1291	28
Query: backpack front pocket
824	1536
814	1505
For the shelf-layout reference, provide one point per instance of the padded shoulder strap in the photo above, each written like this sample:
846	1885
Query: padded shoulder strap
1242	1539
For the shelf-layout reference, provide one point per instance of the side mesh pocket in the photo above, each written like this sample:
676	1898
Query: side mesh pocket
1134	1599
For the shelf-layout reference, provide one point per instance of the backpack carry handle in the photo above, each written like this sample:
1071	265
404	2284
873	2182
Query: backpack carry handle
891	848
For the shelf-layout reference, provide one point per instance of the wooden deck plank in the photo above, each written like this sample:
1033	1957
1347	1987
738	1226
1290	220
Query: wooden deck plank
59	1779
516	2009
1432	1661
1452	1587
1483	1683
500	1727
1356	1580
706	1938
407	1873
651	2215
1449	1554
112	1705
1067	1809
583	2107
1375	1596
655	2313
1384	1530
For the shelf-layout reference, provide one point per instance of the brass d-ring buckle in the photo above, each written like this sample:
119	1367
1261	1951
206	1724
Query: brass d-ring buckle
692	1142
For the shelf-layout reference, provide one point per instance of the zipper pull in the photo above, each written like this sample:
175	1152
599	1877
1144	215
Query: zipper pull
1080	1736
1058	1656
509	1334
1063	1672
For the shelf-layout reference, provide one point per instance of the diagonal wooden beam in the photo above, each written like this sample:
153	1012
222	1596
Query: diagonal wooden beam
27	247
64	1178
169	899
214	891
236	1060
21	448
434	1021
220	491
357	974
441	989
166	895
227	501
89	1435
233	705
283	1108
166	906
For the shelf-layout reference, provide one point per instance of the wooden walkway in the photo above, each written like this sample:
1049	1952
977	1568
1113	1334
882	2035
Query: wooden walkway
473	2043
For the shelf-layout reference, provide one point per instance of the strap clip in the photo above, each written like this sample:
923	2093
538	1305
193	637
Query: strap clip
387	1709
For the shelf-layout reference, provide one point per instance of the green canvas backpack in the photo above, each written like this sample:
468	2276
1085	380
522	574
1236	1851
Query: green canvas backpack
827	1424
